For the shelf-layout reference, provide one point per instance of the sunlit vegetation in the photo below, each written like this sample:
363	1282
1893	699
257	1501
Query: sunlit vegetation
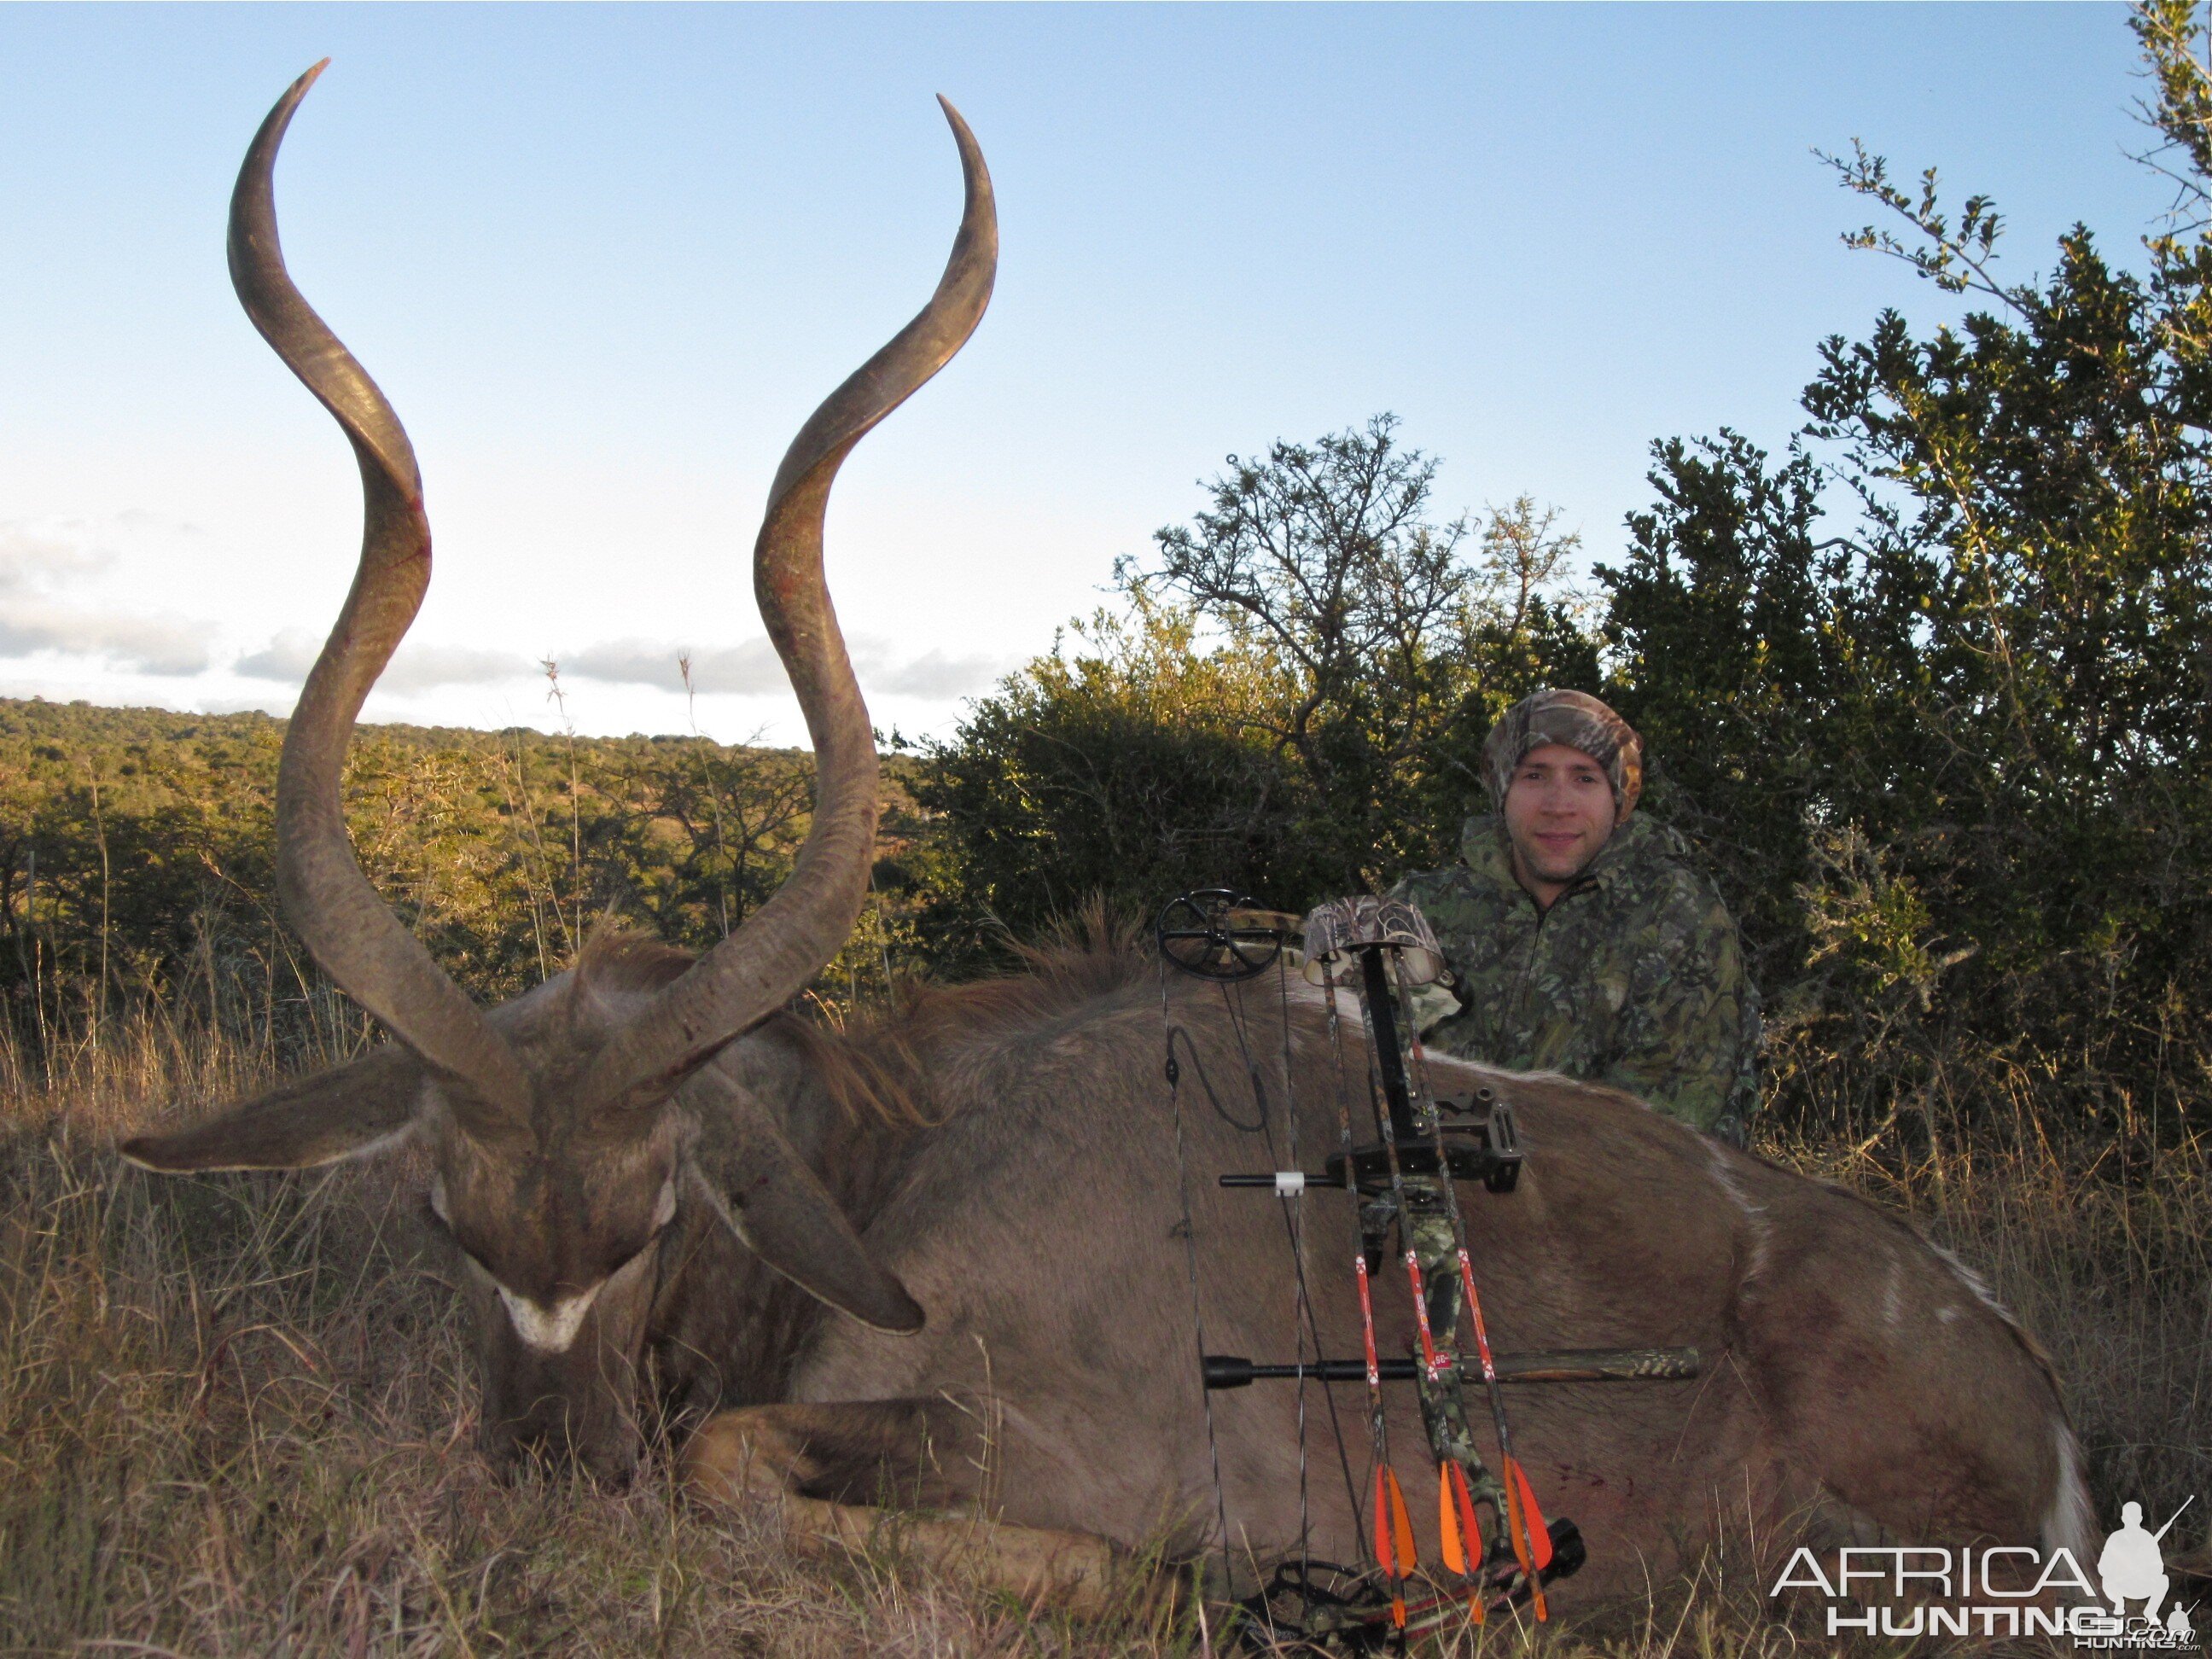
137	849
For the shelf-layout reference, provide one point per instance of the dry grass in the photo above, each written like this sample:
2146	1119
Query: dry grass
235	1417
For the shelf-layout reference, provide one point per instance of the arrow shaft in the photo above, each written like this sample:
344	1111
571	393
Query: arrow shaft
1378	1430
1522	1520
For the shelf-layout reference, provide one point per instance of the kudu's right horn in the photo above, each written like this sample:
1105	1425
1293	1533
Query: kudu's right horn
360	943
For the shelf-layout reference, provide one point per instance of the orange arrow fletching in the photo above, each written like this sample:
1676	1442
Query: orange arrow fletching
1465	1499
1394	1539
1539	1534
1516	1528
1402	1520
1462	1538
1455	1553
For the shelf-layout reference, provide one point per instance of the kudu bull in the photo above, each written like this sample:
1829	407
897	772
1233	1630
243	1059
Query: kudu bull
660	1183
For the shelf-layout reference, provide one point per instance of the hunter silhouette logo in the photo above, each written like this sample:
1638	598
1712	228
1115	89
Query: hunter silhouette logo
2132	1568
2006	1590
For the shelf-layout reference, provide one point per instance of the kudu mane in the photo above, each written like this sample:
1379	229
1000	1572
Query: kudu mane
875	1067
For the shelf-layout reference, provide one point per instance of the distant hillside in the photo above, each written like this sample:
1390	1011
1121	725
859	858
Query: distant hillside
135	848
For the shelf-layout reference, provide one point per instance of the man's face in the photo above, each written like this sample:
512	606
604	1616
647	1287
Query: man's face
1559	811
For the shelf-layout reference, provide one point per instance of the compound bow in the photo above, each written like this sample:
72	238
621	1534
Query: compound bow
1405	1180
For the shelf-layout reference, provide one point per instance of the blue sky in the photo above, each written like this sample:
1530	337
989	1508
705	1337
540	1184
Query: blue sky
605	259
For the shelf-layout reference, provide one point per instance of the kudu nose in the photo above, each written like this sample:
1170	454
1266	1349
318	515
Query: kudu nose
549	1443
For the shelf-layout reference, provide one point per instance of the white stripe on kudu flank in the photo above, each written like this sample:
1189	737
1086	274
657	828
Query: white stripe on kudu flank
1754	1215
2070	1521
549	1330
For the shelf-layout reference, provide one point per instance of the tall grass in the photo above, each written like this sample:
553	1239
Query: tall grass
236	1416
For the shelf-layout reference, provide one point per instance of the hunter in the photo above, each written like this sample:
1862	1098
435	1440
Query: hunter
1579	936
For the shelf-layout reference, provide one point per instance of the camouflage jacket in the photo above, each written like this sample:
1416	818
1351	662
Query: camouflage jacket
1634	976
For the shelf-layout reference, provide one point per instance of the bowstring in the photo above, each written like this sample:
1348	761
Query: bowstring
1190	1260
1294	1217
1296	1233
1293	1214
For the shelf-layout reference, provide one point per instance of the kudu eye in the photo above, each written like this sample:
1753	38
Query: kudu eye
433	1209
664	1213
433	1215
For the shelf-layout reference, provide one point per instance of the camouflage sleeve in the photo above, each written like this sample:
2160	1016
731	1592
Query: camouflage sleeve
1687	1038
1428	892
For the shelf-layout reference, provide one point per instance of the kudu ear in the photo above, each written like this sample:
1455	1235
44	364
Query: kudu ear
785	1215
343	1113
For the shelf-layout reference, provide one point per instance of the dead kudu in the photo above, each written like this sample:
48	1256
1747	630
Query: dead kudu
660	1183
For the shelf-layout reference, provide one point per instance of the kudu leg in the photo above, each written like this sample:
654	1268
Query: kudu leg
833	1470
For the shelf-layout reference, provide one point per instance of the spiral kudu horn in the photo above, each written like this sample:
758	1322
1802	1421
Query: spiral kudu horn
360	943
787	941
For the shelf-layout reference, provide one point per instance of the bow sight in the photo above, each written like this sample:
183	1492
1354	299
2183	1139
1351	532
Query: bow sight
1405	1181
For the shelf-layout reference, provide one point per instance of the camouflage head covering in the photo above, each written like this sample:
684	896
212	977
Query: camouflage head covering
1576	720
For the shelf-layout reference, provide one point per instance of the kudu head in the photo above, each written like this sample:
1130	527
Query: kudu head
558	1125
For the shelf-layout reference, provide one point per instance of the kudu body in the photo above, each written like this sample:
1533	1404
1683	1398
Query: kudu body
659	1184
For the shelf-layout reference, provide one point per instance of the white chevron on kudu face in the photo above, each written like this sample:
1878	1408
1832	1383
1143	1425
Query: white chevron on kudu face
549	1329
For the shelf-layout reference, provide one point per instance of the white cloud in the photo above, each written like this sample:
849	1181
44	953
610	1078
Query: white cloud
77	598
286	658
47	553
934	674
752	669
747	670
39	556
414	668
144	645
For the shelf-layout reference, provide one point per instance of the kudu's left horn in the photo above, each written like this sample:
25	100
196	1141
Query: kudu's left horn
790	938
356	937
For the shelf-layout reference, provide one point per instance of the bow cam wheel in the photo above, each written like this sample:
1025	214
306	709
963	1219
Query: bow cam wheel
1214	933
